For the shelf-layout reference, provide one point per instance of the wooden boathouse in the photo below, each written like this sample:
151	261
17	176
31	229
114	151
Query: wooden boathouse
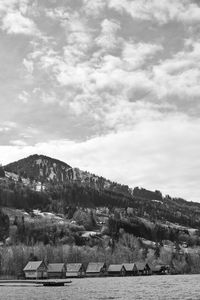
75	270
131	269
56	270
35	270
96	269
143	268
116	270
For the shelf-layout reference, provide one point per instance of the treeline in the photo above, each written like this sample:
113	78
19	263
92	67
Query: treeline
146	194
4	226
128	249
157	233
56	197
45	232
22	197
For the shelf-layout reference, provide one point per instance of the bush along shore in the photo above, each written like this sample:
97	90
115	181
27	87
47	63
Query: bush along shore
14	258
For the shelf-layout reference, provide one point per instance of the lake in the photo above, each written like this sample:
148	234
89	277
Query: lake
149	287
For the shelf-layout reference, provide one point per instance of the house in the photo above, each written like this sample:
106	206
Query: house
160	269
96	269
143	268
56	270
75	270
116	270
35	270
131	269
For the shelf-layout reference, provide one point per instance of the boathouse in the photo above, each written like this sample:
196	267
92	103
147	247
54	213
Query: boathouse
75	270
56	270
116	270
160	269
131	269
96	269
143	268
35	270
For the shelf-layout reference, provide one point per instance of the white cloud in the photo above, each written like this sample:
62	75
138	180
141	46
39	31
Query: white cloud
28	65
136	54
15	23
180	74
49	98
20	143
160	11
8	125
9	5
58	13
108	37
93	8
24	97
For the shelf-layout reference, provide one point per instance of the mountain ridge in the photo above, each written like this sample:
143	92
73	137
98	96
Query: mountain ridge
44	168
63	186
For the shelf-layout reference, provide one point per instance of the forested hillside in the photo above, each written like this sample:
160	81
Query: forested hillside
46	204
49	184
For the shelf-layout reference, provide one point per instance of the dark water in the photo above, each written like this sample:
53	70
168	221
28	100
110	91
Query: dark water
151	287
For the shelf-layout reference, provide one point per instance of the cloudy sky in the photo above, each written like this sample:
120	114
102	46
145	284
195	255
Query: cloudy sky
109	86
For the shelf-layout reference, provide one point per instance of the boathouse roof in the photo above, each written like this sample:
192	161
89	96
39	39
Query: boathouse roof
33	265
130	266
74	267
56	267
95	267
140	266
115	268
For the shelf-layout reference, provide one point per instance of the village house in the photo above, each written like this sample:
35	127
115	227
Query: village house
131	269
56	270
116	270
96	269
143	268
75	270
35	270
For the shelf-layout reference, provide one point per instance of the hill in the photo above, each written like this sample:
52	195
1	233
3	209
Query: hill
47	204
59	186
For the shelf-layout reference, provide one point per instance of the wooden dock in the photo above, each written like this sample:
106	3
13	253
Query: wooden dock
46	282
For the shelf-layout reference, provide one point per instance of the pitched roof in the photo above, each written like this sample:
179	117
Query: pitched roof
95	267
140	266
56	267
32	265
115	268
130	266
74	267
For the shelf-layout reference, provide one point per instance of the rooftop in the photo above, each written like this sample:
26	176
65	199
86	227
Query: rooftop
115	268
95	267
74	267
32	265
57	267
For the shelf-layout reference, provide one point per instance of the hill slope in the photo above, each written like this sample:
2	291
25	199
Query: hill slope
62	186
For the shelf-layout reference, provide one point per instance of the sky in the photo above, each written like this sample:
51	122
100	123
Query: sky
108	86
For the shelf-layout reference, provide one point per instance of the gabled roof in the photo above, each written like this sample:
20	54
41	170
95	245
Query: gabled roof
130	266
115	268
140	266
32	265
95	267
56	267
74	267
